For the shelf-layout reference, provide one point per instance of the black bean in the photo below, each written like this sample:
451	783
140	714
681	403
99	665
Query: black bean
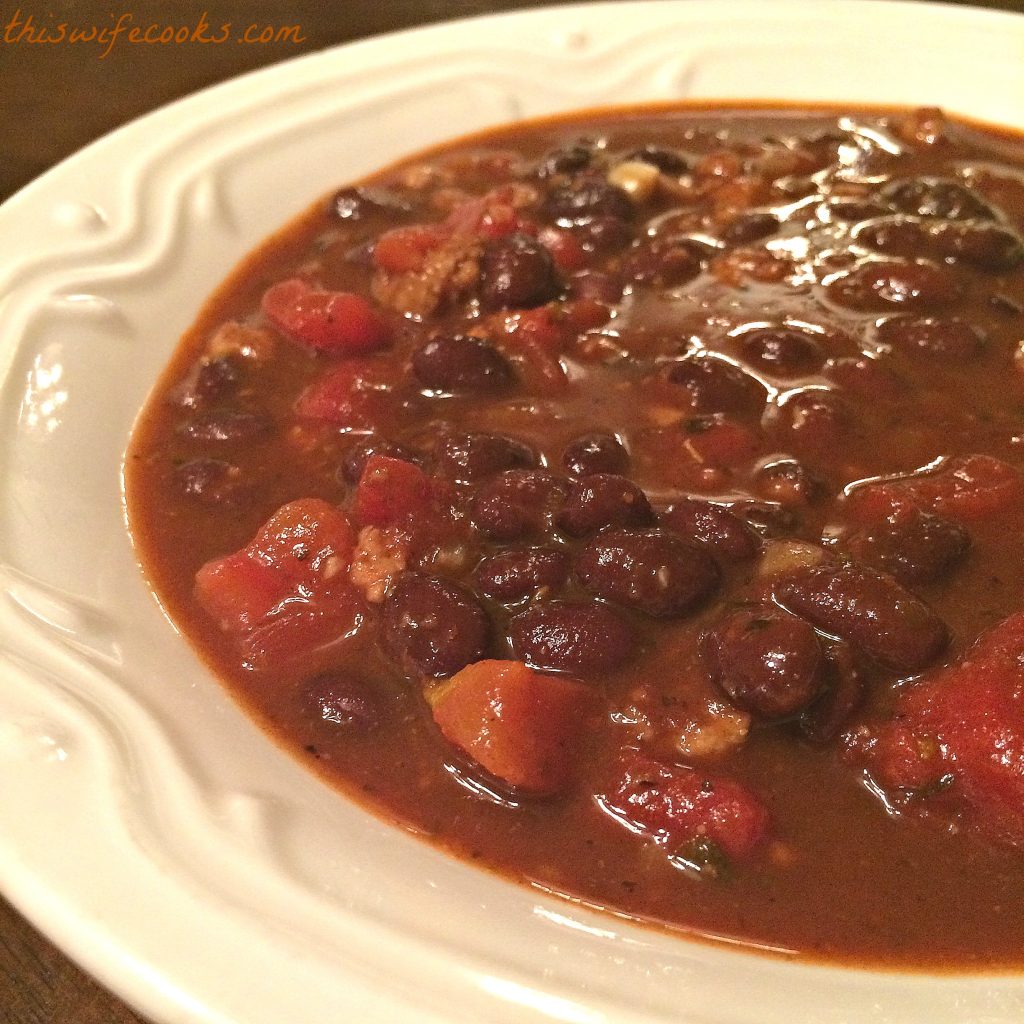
985	246
947	338
456	362
749	227
517	574
661	263
434	627
818	418
516	503
600	500
212	481
937	197
785	351
914	547
652	571
714	385
603	234
212	380
595	453
881	284
354	204
567	160
855	209
355	459
583	200
584	639
517	272
870	610
714	527
668	161
470	457
341	700
227	425
765	660
787	482
844	691
895	236
593	284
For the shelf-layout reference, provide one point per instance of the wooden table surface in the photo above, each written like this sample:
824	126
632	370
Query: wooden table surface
57	98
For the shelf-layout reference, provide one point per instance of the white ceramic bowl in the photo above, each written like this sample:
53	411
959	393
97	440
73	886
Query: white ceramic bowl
147	826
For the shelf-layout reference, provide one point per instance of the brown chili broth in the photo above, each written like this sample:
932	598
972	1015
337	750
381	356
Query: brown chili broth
866	888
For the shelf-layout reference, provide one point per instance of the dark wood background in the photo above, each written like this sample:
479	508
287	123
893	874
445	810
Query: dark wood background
53	100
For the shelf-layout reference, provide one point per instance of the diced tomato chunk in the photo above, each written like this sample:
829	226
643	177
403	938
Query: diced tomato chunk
520	725
337	322
956	743
391	491
354	395
678	806
534	339
237	591
565	249
287	592
488	216
717	441
964	489
405	250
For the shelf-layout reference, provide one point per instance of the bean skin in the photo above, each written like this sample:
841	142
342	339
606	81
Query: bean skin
937	197
354	204
749	227
567	160
884	284
652	571
870	610
586	200
916	547
582	639
595	453
714	527
715	385
470	457
661	263
948	339
765	660
511	576
212	481
516	503
600	500
784	351
434	627
458	363
342	702
227	426
517	272
668	161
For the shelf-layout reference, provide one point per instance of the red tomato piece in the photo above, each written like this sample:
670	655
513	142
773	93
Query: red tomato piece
337	322
963	489
956	743
717	441
287	592
391	491
565	249
677	806
355	395
534	339
520	725
489	216
405	250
